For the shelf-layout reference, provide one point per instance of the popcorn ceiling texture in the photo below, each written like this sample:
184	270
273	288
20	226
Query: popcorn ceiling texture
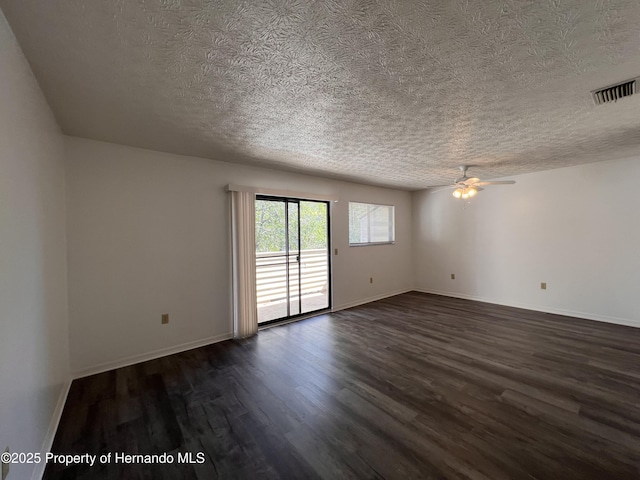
397	93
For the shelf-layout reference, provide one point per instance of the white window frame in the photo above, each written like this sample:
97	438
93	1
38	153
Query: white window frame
370	209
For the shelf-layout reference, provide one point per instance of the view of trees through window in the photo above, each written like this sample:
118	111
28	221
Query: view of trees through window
271	225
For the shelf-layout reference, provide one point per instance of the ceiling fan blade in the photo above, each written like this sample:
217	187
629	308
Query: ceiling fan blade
437	188
498	182
472	180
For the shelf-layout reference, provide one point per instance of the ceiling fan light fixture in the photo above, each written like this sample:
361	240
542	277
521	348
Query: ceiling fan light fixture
464	192
468	187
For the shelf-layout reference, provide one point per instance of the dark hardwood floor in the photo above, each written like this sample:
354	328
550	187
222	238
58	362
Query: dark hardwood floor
414	386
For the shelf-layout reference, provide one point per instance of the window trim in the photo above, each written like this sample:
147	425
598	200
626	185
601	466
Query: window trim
367	244
371	244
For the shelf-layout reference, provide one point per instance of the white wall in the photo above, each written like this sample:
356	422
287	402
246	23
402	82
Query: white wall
575	228
148	234
34	361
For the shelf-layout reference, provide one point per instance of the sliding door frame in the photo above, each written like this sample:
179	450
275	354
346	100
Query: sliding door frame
287	201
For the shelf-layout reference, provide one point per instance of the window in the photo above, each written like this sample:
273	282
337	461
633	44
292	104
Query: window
371	224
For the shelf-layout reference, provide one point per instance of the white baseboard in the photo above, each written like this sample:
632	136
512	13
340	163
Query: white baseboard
163	352
125	362
538	308
370	299
38	472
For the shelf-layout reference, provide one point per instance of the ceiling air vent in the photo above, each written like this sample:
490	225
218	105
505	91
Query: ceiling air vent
614	92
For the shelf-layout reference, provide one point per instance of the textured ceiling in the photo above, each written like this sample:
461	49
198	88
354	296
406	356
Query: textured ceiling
397	93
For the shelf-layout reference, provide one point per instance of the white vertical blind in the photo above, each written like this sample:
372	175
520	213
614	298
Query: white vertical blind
243	224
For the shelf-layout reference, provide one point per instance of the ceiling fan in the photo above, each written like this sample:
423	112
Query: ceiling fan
467	187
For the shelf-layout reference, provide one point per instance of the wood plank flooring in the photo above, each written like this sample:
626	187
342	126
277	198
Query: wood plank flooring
413	386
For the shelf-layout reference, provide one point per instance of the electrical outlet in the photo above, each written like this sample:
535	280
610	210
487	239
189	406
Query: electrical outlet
370	279
453	276
543	285
5	466
165	318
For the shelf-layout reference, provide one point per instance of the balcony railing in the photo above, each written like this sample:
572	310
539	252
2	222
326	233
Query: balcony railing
271	279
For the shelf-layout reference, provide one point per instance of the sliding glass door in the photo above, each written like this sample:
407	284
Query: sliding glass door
292	257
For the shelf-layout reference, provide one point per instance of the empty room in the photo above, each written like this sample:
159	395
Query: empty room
331	239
